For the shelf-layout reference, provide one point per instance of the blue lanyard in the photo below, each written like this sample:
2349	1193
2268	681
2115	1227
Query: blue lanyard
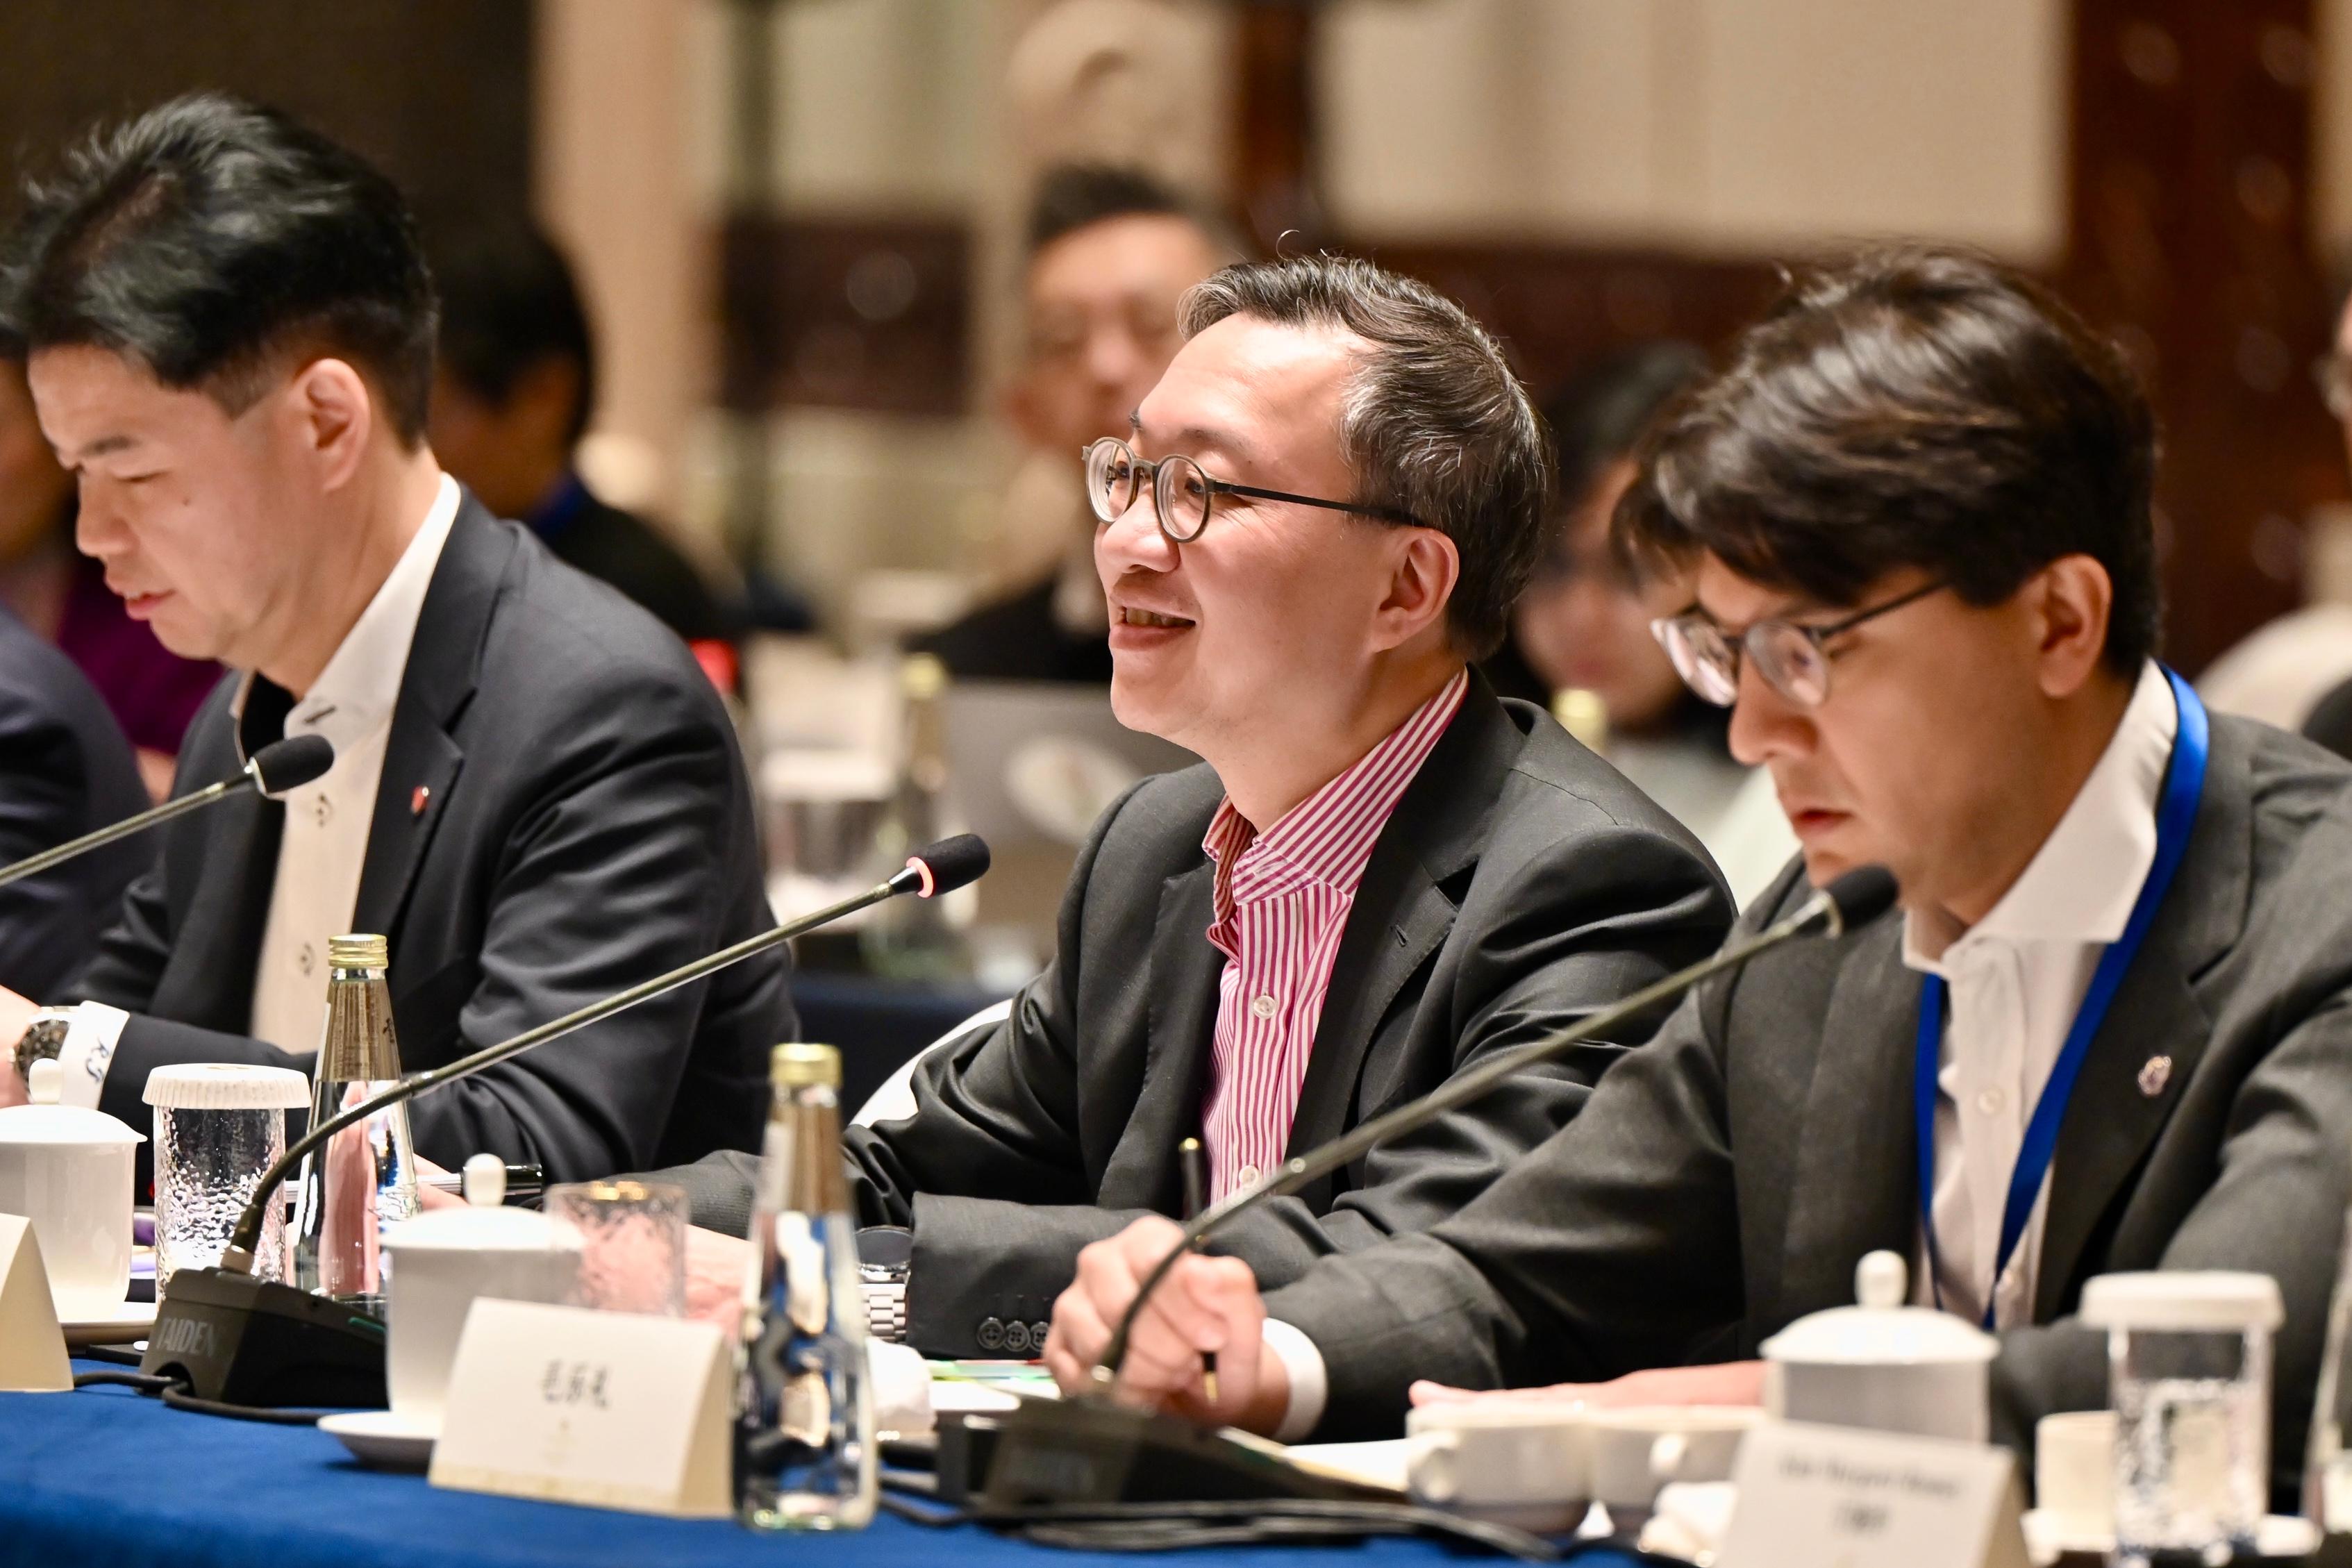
2184	786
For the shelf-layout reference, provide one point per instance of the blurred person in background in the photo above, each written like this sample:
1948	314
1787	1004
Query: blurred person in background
514	387
1110	252
1583	625
62	596
65	770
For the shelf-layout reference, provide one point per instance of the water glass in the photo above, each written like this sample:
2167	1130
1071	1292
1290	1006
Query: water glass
632	1244
2189	1377
218	1126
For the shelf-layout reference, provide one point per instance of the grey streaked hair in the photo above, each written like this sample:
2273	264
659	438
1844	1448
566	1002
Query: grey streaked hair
1434	423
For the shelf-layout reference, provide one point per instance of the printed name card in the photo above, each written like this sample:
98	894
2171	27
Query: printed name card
32	1346
1850	1499
609	1409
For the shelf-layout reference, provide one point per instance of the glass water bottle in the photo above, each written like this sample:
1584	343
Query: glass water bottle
365	1177
805	1454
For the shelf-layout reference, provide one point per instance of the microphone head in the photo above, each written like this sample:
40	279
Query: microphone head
292	763
949	864
1862	895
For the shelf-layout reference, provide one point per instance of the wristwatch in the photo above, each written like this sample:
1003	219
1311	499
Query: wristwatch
886	1255
43	1039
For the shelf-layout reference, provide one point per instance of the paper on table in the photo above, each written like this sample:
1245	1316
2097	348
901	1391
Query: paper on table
1377	1464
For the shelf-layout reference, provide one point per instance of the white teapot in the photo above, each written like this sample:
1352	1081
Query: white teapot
1882	1364
68	1171
442	1260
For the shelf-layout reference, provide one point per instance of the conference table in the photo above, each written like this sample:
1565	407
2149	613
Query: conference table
105	1476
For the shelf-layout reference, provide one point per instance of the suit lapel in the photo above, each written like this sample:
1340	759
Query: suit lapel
1855	1189
2111	1117
1402	914
422	757
218	944
1180	1032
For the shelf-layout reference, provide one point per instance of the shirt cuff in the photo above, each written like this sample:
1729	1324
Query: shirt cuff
90	1045
1308	1385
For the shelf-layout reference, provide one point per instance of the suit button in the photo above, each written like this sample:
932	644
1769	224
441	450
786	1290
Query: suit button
1037	1332
992	1334
1017	1338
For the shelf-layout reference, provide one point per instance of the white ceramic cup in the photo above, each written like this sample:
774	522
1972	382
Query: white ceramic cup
79	1198
1638	1448
431	1290
1525	1464
2075	1472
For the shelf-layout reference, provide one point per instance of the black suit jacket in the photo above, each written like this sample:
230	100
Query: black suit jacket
1018	638
1520	883
632	556
65	770
1727	1176
586	823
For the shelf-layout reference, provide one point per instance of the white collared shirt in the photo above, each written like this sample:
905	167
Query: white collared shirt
2016	980
324	842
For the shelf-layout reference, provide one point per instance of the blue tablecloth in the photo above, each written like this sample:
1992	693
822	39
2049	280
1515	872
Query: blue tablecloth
105	1476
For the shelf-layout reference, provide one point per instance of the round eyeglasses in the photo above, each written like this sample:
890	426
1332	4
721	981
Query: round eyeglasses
1182	492
1793	659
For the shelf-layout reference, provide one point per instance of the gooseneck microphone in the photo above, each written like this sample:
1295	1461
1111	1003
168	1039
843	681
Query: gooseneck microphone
1855	899
283	765
237	1339
1089	1450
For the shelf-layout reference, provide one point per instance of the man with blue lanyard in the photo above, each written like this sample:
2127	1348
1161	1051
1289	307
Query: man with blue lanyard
2112	1028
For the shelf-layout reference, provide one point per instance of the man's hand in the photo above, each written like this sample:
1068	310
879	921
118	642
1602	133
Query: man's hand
716	1265
16	1012
1733	1382
1204	1304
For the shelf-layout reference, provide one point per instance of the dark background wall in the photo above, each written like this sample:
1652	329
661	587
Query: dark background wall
438	92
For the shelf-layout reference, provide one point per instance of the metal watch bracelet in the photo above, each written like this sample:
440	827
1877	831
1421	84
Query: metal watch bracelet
886	1302
43	1039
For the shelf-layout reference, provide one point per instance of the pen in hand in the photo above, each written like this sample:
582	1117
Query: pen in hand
1194	1160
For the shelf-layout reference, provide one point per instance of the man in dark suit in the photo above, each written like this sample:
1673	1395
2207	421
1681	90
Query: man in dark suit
65	770
1943	649
514	387
537	795
1383	874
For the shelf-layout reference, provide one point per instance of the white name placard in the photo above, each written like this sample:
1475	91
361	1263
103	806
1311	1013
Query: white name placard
1837	1494
32	1346
609	1409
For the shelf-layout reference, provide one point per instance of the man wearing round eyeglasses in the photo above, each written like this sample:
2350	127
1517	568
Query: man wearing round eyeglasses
1383	874
2111	1030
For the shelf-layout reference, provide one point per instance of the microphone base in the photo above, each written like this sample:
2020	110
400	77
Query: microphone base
1091	1450
237	1340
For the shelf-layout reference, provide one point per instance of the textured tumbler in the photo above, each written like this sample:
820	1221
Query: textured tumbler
218	1126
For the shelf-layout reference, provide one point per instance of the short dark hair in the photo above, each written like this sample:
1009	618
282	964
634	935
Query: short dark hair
1072	196
1434	423
1599	415
207	236
508	301
1912	408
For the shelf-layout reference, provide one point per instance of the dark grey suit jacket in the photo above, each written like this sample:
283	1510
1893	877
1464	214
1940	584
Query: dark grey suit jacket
585	824
1727	1175
65	770
1520	883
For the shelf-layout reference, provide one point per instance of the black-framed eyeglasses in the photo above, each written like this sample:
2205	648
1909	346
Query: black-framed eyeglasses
1182	492
1794	659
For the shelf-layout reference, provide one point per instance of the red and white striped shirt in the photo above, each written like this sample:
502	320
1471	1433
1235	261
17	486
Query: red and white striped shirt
1282	899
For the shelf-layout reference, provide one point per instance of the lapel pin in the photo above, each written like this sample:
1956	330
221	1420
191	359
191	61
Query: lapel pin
418	798
2154	1075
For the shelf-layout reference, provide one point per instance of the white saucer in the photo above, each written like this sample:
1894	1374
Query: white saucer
2279	1535
129	1320
381	1437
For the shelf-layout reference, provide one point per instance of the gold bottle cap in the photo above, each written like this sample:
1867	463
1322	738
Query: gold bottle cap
798	1065
922	677
358	953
